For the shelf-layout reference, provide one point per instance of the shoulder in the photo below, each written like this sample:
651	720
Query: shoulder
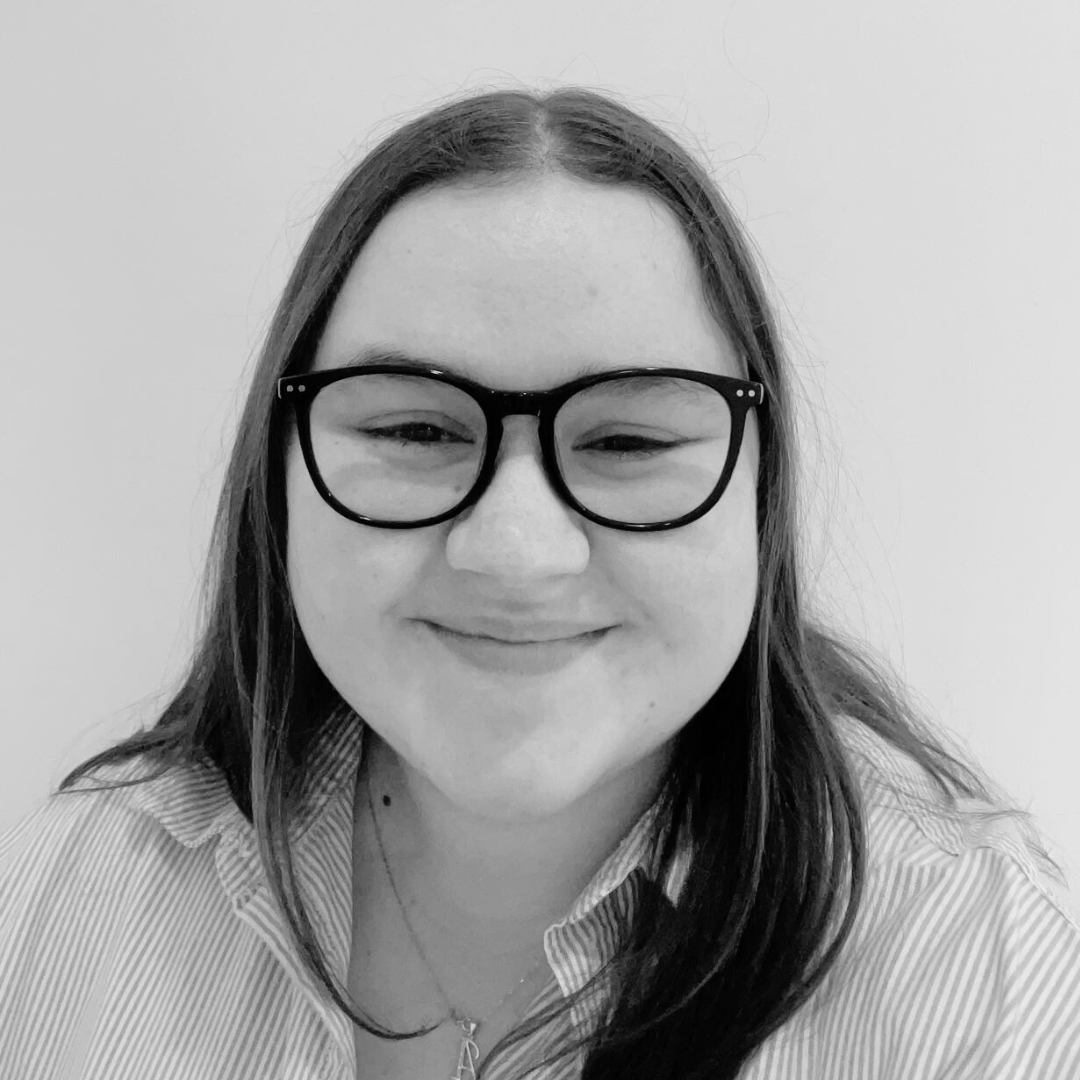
95	886
912	825
965	951
67	834
90	845
136	818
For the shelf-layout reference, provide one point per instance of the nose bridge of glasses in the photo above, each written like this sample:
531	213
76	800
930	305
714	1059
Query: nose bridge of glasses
504	403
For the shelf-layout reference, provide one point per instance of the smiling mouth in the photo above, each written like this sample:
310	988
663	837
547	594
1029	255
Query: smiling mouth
516	659
588	636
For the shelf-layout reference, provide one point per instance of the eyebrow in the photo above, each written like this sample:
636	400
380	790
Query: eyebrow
386	354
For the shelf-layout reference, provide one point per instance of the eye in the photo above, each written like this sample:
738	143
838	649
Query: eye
415	433
627	445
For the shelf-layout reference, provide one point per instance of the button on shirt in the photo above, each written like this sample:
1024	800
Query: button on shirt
138	938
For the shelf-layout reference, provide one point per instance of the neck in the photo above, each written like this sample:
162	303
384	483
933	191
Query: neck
493	883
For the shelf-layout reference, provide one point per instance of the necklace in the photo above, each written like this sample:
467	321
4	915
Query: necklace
468	1052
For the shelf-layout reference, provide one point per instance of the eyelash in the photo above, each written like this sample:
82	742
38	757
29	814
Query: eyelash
389	434
652	445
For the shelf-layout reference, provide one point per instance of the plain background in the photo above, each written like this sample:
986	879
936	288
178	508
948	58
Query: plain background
908	172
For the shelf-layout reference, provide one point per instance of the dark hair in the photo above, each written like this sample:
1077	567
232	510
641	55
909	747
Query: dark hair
758	777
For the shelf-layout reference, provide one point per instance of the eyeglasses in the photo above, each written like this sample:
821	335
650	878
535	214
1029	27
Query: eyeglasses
401	447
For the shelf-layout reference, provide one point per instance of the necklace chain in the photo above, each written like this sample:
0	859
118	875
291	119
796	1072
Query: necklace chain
464	1022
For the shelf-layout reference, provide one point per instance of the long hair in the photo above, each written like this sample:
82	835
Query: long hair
758	779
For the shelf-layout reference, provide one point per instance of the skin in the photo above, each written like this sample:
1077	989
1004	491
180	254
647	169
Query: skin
509	790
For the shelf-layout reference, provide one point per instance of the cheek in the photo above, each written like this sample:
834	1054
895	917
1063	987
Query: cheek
705	591
343	577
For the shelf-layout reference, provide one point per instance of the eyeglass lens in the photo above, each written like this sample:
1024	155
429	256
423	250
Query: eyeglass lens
639	449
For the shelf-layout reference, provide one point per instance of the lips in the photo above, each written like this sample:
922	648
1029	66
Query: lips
522	641
533	633
523	655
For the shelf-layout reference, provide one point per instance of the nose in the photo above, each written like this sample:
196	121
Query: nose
519	531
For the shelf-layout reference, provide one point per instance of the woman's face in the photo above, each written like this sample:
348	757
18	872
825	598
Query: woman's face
523	287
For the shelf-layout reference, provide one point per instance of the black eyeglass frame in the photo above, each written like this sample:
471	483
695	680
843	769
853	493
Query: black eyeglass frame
299	391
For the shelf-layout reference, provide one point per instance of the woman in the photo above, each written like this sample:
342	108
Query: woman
508	743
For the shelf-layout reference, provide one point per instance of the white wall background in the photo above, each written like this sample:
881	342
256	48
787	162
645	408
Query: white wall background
908	171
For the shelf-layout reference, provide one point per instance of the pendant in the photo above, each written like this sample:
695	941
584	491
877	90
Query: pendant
469	1053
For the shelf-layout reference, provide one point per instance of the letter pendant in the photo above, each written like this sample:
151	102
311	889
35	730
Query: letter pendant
469	1053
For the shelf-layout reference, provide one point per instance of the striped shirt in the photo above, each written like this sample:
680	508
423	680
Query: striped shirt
138	939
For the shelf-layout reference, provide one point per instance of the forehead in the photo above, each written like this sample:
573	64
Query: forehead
527	285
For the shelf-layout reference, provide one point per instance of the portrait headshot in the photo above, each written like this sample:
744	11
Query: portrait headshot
538	547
